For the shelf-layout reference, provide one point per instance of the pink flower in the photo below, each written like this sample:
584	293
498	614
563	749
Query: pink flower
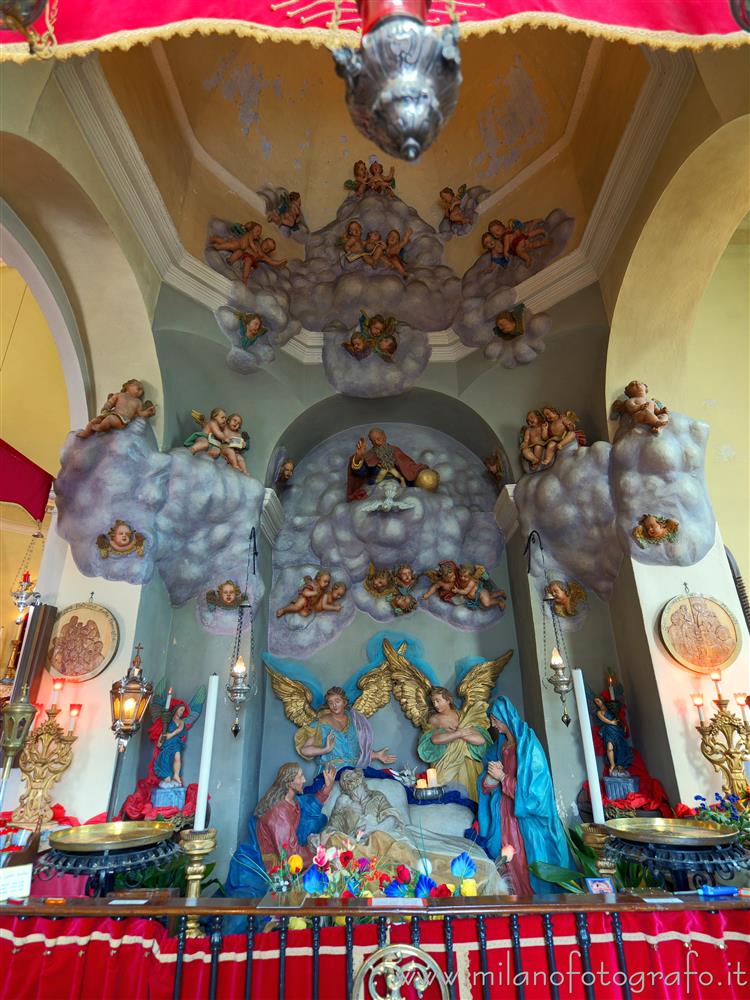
320	856
508	852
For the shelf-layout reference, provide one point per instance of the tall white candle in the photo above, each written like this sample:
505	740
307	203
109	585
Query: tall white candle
207	748
168	702
589	755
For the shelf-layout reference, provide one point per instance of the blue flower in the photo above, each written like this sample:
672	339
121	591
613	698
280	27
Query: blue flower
395	888
423	886
314	880
463	866
699	798
354	887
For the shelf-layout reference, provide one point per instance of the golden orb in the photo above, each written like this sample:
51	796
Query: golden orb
428	479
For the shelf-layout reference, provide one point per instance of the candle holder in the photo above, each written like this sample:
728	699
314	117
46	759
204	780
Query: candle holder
725	743
596	836
197	844
46	756
129	699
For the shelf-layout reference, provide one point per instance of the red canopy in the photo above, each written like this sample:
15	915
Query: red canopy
85	25
23	481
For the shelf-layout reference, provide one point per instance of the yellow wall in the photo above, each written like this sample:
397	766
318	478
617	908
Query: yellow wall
33	419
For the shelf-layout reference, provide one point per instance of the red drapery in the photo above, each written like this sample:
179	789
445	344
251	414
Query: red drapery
698	955
83	25
23	482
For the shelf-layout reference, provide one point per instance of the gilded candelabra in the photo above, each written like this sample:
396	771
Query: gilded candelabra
46	756
725	743
197	844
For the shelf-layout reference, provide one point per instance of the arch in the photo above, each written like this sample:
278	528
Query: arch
424	407
674	259
115	340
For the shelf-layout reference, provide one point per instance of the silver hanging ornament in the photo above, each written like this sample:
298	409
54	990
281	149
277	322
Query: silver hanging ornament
402	82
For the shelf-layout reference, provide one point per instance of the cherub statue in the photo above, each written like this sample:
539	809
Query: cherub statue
518	239
443	581
653	530
379	181
335	733
228	595
251	329
212	436
401	598
236	441
252	258
494	465
454	740
478	590
641	407
121	540
285	473
378	582
374	251
352	241
245	239
509	324
315	594
169	743
565	597
533	440
394	250
288	212
359	184
560	431
450	202
121	407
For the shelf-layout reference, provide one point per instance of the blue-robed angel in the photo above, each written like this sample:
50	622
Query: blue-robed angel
517	801
167	761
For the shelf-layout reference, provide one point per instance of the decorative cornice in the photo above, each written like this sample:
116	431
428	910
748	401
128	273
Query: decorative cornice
106	129
271	517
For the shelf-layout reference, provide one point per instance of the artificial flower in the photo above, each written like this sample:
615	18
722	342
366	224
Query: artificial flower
352	887
403	874
346	894
339	921
366	894
508	852
424	867
346	858
468	887
295	864
363	863
395	888
315	881
424	886
463	866
320	856
272	871
440	891
297	923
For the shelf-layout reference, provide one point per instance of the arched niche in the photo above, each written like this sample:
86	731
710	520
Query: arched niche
425	407
107	304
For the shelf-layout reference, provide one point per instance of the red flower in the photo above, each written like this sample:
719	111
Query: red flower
273	870
403	874
347	895
346	858
440	891
682	811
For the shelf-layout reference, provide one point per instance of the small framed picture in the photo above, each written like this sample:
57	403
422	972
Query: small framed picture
600	885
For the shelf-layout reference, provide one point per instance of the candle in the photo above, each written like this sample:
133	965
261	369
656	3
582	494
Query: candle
589	755
168	702
26	577
698	702
741	699
431	777
611	686
716	677
240	668
207	747
75	711
421	783
555	660
57	686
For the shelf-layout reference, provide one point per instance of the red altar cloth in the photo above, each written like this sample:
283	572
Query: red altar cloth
699	955
84	25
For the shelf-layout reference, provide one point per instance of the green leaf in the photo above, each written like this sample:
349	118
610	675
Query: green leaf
567	878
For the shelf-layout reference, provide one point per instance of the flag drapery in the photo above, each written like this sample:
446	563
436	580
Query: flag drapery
83	26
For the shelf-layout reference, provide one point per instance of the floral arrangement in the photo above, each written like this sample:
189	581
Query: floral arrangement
725	809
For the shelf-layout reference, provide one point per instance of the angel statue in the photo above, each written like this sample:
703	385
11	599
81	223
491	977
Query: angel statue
454	740
335	733
608	718
169	743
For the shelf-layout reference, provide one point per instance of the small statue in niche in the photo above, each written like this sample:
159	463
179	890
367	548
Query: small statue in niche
394	250
359	184
236	441
227	596
451	203
170	742
608	715
378	582
380	182
509	323
121	540
565	597
288	212
641	407
653	530
251	329
316	594
285	473
494	465
121	407
382	461
336	734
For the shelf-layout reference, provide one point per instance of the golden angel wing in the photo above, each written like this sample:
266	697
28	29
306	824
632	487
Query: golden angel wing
479	682
295	696
375	686
197	416
410	686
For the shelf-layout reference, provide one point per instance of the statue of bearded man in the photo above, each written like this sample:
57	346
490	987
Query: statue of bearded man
381	461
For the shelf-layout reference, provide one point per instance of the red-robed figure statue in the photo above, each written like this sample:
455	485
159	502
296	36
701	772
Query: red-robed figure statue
383	461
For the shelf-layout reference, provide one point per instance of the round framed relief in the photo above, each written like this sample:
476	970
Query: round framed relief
84	642
700	632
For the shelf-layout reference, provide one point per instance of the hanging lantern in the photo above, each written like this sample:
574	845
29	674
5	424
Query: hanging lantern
403	80
741	13
20	15
129	698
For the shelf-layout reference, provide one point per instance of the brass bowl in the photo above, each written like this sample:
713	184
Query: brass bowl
118	836
673	832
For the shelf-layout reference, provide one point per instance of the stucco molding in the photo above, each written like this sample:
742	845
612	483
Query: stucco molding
91	100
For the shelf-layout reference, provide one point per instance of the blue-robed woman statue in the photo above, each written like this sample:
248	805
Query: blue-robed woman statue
517	801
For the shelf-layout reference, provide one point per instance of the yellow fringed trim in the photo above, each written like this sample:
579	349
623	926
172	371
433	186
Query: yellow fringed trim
324	37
